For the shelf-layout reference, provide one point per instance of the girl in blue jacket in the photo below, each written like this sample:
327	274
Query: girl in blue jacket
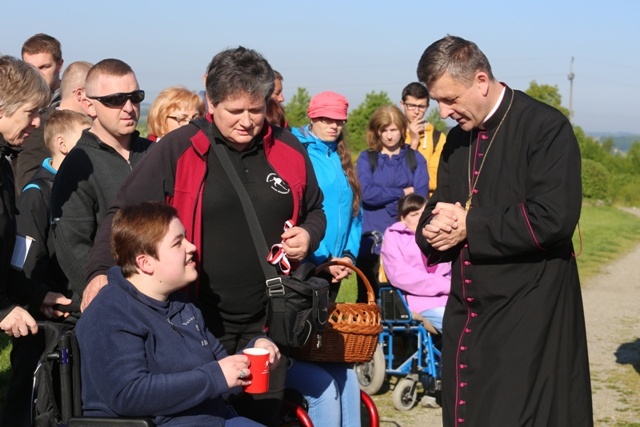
331	389
331	161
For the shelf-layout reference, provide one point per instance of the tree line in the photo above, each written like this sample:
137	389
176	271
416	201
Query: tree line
608	176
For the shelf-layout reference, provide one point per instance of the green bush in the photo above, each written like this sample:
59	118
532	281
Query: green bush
624	190
596	181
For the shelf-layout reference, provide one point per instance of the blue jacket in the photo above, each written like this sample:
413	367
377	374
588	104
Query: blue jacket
382	189
143	357
342	236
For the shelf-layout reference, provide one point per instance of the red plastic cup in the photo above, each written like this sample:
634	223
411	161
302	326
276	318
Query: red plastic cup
259	370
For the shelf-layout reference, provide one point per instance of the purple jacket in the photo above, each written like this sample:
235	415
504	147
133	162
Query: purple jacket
406	268
382	189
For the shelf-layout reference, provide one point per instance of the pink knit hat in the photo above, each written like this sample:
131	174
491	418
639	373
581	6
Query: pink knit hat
328	104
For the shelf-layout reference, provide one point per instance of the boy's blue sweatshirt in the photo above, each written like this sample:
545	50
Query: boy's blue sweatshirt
143	357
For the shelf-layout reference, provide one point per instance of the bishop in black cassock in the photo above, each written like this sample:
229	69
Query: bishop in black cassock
514	341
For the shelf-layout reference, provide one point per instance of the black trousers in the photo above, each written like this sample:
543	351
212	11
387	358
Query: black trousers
369	264
264	408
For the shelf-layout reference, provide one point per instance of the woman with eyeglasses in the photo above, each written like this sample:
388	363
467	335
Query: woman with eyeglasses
23	92
174	107
331	389
387	171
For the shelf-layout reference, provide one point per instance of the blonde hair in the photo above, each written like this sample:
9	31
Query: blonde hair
170	99
381	118
62	122
20	84
352	176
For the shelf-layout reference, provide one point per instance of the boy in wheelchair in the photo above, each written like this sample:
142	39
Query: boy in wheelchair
145	351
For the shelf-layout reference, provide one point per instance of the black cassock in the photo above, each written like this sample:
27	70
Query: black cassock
514	343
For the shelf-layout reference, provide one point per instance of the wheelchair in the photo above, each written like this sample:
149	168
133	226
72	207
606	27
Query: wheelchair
407	349
56	398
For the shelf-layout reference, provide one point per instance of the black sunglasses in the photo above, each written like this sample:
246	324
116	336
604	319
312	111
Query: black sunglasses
119	99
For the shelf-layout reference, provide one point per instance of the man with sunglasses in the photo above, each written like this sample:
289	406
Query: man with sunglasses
421	135
92	172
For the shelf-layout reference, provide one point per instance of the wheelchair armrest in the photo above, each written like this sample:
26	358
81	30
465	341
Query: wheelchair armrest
108	422
425	322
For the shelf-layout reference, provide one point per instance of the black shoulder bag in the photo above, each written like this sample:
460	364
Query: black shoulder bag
297	306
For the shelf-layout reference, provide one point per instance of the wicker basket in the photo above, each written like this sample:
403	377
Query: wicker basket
351	333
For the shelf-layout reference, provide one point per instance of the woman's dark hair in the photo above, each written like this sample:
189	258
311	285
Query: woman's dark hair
275	113
410	203
234	72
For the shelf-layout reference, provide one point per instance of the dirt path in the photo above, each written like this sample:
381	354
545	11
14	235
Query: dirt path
612	311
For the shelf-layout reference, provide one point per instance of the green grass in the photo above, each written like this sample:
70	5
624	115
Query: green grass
607	233
5	367
348	289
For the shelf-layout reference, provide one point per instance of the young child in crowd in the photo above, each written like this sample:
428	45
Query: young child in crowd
425	287
37	279
145	350
34	205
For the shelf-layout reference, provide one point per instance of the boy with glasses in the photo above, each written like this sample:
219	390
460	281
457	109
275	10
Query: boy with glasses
421	135
91	174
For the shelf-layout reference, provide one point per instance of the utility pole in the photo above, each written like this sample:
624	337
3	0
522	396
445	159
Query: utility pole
571	76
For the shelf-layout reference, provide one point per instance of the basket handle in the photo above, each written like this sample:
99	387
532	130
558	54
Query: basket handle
371	297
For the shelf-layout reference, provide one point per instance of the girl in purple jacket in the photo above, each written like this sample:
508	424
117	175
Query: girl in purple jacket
388	170
425	287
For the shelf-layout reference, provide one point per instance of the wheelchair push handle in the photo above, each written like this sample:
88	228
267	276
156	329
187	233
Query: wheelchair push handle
73	308
371	296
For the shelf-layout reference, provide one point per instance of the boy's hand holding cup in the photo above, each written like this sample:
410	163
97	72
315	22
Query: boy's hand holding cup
261	357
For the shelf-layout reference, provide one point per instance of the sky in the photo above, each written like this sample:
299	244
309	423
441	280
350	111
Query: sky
357	47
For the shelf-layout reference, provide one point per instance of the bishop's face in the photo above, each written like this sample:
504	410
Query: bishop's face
466	103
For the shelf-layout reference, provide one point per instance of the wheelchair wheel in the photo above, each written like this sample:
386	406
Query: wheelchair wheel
371	374
405	394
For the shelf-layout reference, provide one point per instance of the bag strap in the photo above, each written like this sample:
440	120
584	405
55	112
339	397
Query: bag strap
436	139
373	160
273	281
410	158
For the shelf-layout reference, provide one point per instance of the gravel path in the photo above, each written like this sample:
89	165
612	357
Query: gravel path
612	311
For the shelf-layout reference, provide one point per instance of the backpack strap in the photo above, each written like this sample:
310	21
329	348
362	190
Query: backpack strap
436	138
44	186
410	158
373	160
